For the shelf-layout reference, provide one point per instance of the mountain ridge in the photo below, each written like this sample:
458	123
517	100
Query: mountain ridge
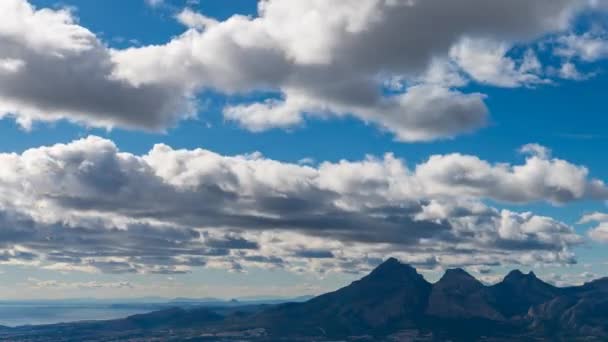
392	303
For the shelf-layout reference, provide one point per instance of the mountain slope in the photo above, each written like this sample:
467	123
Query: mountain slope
458	295
117	329
577	311
518	292
392	295
393	302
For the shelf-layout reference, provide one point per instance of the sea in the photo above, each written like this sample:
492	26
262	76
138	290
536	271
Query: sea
19	314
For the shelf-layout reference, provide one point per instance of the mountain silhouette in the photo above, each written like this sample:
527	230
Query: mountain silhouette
394	294
395	297
518	292
392	303
459	295
575	311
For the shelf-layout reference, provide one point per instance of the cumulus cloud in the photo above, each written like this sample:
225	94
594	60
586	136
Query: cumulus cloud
51	68
320	65
569	71
335	64
424	112
600	232
575	49
538	179
589	46
194	20
486	61
87	206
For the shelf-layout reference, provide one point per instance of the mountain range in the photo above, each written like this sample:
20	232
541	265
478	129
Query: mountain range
393	303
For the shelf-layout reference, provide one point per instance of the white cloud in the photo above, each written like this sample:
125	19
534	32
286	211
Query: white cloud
336	64
442	73
486	61
569	71
51	68
86	206
540	178
536	150
11	65
571	279
191	19
324	59
593	217
424	112
44	31
589	47
154	3
600	232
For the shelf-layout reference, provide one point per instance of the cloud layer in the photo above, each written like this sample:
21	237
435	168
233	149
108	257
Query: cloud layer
386	62
401	66
87	206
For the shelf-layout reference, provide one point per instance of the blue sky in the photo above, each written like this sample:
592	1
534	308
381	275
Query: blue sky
563	114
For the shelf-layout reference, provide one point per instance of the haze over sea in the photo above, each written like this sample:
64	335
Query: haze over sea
18	314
